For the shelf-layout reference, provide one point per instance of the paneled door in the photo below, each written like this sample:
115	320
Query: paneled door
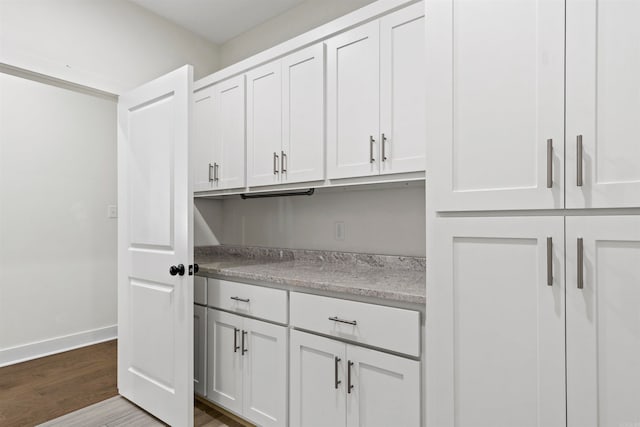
603	103
203	142
353	98
495	103
200	349
155	247
402	91
230	138
496	344
264	124
603	321
318	378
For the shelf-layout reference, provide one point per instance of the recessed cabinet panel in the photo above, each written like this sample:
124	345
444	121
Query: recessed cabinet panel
264	124
204	138
199	349
498	352
603	103
603	321
402	91
353	96
495	104
229	169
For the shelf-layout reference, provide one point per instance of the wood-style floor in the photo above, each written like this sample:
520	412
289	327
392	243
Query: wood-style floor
41	390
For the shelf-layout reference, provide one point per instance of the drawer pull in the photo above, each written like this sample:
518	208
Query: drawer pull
349	322
349	385
336	380
240	299
235	340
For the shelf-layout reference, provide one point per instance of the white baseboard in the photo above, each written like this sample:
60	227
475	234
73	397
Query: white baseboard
22	353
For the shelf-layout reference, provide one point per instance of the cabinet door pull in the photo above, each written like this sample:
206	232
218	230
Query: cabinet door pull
349	385
579	154
580	263
235	340
240	299
283	164
384	145
215	171
371	142
337	319
210	170
336	380
549	261
549	163
244	350
275	163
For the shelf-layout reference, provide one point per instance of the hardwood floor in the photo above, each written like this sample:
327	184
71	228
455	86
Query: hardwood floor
41	390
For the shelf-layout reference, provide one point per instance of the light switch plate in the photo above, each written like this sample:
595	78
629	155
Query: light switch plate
112	211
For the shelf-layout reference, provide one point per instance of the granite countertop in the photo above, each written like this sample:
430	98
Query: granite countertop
385	277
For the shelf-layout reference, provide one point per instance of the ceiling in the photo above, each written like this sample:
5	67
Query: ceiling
218	20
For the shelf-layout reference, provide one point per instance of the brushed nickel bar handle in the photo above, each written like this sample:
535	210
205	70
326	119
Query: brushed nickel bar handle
549	261
244	350
275	163
240	299
349	385
337	319
215	172
336	381
235	340
371	142
549	163
384	144
580	263
579	155
283	162
210	169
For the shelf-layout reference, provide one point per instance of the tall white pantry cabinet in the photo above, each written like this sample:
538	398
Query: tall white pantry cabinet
533	206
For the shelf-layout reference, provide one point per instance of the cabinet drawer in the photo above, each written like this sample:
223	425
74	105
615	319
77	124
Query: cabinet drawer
200	290
390	328
256	301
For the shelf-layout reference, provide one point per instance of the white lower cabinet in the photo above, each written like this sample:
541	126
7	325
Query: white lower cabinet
337	384
247	367
199	349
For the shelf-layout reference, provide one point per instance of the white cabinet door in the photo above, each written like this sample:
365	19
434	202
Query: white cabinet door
495	97
353	98
385	389
199	349
155	232
402	91
603	321
303	115
495	323
603	103
264	124
229	168
265	373
224	359
318	380
203	143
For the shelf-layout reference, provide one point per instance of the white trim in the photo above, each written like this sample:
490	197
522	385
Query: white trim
323	32
34	350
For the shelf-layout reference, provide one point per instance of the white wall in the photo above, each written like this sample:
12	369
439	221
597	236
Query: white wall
383	221
111	45
295	21
57	246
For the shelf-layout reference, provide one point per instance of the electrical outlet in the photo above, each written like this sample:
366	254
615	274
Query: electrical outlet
112	211
339	230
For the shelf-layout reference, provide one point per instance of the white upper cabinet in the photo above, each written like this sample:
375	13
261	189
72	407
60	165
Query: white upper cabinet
402	91
264	124
603	321
353	98
495	104
603	103
203	141
302	154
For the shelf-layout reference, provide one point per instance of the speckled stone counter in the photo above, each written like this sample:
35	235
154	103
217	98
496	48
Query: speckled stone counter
384	277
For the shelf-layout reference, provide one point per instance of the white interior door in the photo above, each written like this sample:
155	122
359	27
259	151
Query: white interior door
155	232
603	321
353	98
265	373
303	115
402	91
264	124
603	103
496	324
318	369
230	120
204	139
386	389
495	97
